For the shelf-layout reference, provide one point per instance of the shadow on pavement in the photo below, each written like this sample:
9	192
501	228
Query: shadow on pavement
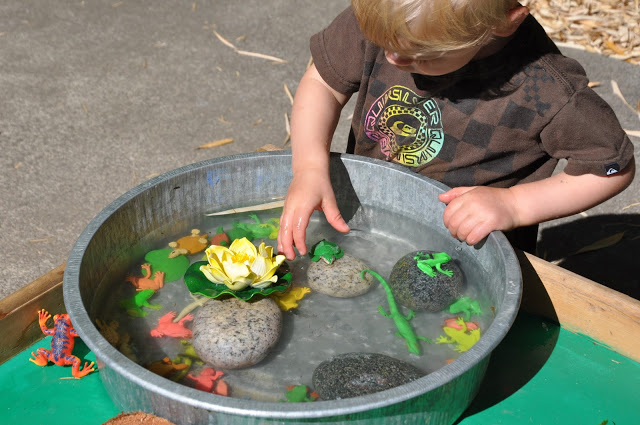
601	248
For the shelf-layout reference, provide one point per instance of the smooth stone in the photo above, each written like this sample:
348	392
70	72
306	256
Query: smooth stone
232	334
339	279
418	291
355	374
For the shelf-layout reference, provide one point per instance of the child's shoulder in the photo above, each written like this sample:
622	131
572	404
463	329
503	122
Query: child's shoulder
544	58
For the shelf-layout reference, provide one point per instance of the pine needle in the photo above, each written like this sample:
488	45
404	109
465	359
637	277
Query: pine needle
224	40
246	53
617	92
287	124
261	56
289	95
602	243
216	143
635	204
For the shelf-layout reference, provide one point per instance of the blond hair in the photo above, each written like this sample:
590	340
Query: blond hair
411	27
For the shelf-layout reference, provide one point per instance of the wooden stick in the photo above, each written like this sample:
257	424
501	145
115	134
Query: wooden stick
261	207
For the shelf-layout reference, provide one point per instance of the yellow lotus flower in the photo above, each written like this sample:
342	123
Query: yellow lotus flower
241	265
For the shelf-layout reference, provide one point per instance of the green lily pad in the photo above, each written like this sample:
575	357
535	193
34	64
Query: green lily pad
197	283
174	268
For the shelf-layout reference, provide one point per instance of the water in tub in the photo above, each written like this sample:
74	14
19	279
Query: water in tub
322	326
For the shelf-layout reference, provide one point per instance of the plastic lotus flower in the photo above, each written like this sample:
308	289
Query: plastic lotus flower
241	265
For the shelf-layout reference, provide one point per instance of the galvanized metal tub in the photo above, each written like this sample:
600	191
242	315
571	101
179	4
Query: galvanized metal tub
172	202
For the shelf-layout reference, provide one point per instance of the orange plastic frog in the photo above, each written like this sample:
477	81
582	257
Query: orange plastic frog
61	345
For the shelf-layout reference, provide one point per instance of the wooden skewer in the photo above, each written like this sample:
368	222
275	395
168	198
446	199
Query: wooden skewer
261	207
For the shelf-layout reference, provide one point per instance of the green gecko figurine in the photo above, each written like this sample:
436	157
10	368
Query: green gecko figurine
134	304
405	330
465	305
460	337
327	251
426	262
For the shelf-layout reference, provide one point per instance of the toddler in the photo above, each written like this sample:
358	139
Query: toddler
470	93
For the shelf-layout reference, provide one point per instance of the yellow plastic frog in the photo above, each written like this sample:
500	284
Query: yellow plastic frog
464	338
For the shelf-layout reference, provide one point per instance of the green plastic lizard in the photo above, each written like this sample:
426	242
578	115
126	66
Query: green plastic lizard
134	304
405	330
426	263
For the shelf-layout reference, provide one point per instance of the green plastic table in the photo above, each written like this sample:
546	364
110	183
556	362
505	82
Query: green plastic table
540	374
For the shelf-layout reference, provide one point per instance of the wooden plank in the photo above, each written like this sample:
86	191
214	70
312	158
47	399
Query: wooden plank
581	305
19	312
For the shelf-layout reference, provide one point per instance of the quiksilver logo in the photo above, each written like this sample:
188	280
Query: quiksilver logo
612	168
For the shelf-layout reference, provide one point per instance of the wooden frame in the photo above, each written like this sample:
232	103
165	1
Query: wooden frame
578	304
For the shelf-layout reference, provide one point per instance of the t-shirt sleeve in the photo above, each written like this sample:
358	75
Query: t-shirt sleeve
338	53
588	134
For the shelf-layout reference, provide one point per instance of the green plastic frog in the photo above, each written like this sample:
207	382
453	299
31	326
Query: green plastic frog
427	262
462	338
327	251
465	305
299	394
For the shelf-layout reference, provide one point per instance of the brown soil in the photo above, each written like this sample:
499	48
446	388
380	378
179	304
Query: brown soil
137	418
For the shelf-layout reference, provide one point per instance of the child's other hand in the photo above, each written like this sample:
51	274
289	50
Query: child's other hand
309	191
474	212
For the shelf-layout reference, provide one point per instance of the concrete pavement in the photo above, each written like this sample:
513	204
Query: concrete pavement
98	97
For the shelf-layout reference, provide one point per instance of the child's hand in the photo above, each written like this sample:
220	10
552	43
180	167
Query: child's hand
310	190
474	212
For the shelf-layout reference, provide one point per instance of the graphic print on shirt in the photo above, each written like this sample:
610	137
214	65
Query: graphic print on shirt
407	127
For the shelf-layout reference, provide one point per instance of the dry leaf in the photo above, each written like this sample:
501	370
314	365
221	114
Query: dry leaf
268	148
602	243
613	46
216	143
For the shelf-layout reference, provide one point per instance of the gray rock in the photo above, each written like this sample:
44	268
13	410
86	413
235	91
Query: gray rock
339	279
418	291
232	334
356	374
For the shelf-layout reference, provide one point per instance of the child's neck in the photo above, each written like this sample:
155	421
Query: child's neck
492	47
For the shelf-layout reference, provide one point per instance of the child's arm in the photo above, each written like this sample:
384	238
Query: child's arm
474	212
315	113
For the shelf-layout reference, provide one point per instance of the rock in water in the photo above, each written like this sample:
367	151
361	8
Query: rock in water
232	333
417	290
339	279
356	374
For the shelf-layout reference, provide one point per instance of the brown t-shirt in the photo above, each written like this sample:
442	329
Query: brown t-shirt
498	121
